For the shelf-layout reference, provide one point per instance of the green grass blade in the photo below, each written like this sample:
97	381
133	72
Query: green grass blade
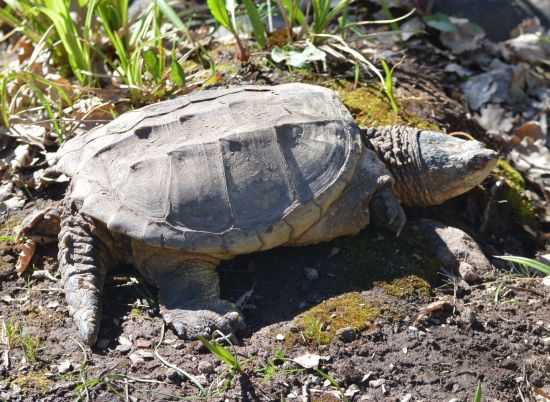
77	55
529	262
4	99
222	353
176	73
333	382
257	23
479	394
388	85
170	14
219	12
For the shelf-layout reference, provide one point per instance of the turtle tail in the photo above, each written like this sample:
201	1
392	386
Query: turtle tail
83	263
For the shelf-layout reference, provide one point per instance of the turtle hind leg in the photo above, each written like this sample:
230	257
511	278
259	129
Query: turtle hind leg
189	295
83	263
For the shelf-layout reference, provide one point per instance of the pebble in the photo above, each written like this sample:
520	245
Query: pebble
352	390
173	376
64	367
346	334
376	383
201	379
205	367
546	281
124	344
406	398
53	304
143	343
311	274
467	272
137	359
280	337
308	360
146	354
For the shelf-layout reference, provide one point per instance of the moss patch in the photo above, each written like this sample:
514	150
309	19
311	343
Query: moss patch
10	227
320	324
34	381
516	193
370	106
406	287
369	257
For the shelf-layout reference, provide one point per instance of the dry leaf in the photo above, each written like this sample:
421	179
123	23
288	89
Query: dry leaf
25	256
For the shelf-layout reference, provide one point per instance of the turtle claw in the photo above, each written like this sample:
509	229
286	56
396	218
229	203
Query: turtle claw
87	320
192	323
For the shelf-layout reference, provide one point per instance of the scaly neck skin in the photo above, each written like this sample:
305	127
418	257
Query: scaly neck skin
429	167
398	148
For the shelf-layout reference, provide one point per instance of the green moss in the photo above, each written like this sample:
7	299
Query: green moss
370	106
320	323
406	287
516	193
370	257
34	381
10	227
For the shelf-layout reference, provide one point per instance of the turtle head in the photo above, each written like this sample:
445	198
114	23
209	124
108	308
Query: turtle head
430	167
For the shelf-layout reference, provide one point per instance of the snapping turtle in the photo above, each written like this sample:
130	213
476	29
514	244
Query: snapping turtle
178	186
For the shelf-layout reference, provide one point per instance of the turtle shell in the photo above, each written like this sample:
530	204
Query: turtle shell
219	171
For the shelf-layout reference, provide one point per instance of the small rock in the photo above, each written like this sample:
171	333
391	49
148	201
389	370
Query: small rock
173	376
367	376
311	274
352	390
546	281
308	360
53	304
467	272
202	380
64	367
124	344
333	252
454	247
406	398
280	337
143	343
205	367
137	359
313	379
454	400
146	355
346	334
376	383
123	348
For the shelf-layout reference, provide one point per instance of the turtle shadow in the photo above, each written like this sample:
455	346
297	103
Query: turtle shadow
287	281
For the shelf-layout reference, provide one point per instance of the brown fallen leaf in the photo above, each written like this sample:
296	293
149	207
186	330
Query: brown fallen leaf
25	256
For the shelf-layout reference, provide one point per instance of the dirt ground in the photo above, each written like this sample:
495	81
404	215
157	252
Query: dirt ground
368	318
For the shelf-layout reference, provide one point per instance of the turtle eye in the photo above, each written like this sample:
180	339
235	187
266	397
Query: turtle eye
477	161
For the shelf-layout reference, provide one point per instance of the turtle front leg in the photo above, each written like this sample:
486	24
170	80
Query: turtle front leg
84	259
189	293
385	210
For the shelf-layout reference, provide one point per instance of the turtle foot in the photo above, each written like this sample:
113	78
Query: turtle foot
192	323
189	297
